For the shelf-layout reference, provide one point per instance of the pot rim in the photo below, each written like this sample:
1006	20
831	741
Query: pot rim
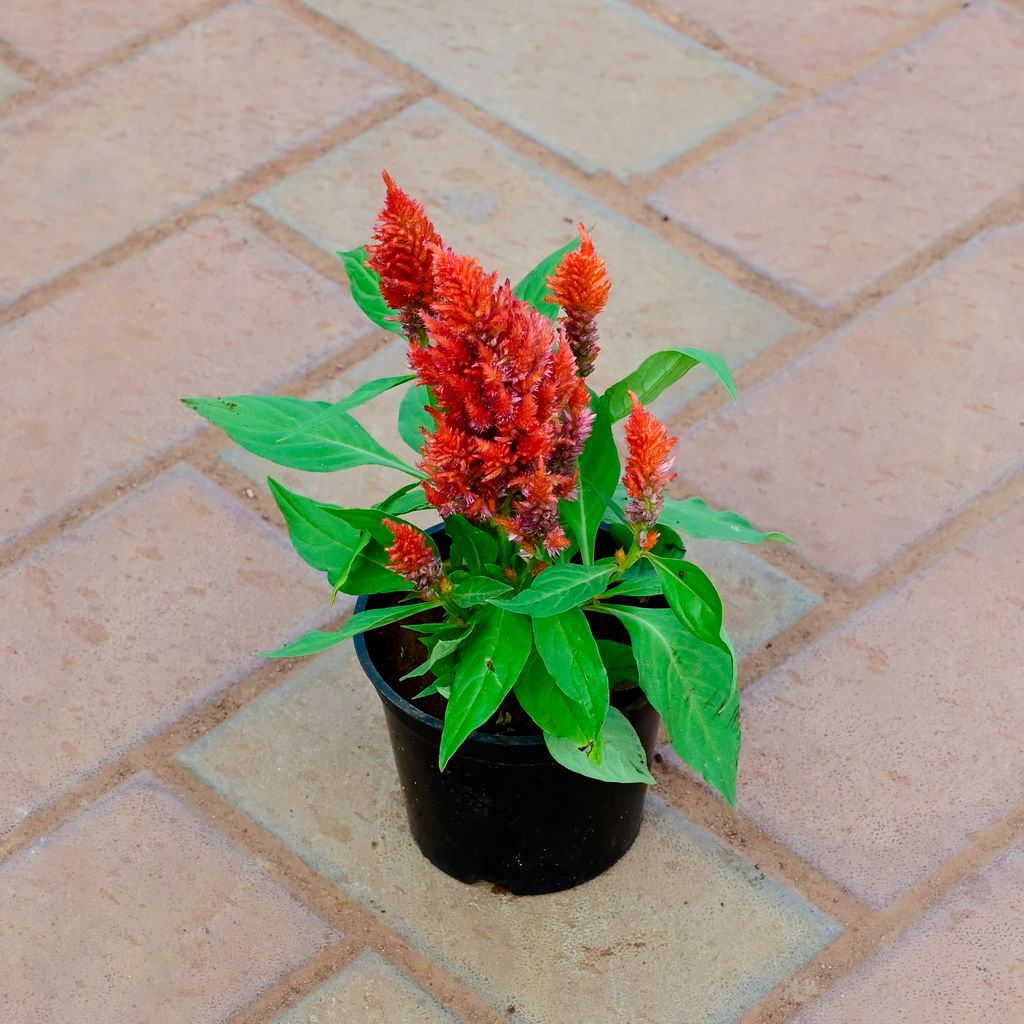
390	694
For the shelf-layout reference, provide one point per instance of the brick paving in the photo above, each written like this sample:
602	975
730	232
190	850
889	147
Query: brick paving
831	195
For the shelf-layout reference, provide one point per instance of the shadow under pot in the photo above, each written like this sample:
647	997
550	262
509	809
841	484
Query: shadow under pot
503	810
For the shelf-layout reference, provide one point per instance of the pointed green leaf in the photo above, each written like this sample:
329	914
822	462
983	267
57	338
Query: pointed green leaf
321	539
312	436
692	596
696	518
569	652
364	283
487	668
599	472
549	707
692	685
640	580
534	287
317	640
619	663
472	546
624	758
409	498
659	371
413	418
476	590
559	588
439	646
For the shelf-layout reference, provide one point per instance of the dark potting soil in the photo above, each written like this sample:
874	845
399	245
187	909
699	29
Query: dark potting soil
397	650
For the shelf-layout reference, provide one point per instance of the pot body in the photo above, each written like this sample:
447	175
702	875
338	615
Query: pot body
504	810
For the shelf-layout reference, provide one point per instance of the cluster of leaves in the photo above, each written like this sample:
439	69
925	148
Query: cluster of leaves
511	626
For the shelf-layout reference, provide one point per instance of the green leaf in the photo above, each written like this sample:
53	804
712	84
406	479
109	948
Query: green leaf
658	372
364	283
692	596
371	389
315	641
549	707
440	648
619	663
639	580
409	498
559	588
487	668
476	590
599	471
534	287
692	685
413	418
570	654
322	540
624	758
312	436
696	518
472	546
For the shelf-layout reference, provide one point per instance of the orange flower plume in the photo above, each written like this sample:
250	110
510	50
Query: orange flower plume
402	253
412	556
580	286
648	470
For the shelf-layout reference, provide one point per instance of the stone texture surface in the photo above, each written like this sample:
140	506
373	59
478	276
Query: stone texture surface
217	309
66	35
810	41
866	445
963	964
846	188
509	213
760	601
114	631
137	912
680	921
574	75
883	748
365	485
10	83
368	991
143	139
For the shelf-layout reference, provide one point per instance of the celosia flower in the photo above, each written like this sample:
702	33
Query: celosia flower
580	286
648	470
412	556
402	253
512	413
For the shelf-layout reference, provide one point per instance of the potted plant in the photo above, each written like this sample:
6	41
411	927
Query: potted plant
525	647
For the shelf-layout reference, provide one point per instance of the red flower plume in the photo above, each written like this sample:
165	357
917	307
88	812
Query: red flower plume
412	556
648	470
580	286
402	253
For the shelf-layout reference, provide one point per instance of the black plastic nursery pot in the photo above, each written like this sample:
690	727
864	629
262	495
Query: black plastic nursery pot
504	810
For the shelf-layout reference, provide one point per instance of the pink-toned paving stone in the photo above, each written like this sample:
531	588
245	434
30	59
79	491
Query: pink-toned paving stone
808	41
598	81
137	912
883	432
368	991
963	964
889	744
112	632
833	196
10	83
143	139
65	35
681	921
216	310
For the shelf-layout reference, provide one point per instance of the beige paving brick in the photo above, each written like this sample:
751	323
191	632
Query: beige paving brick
963	964
218	309
808	41
10	83
65	35
885	431
365	485
145	138
510	213
834	195
583	77
884	748
138	912
118	628
368	991
680	922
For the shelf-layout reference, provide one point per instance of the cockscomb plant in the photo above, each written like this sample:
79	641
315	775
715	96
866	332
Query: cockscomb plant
517	456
